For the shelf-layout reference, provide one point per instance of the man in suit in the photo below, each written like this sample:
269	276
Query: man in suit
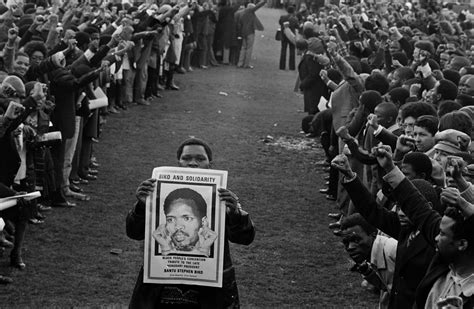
248	22
285	43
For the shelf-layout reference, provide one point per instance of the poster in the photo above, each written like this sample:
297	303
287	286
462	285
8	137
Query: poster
184	228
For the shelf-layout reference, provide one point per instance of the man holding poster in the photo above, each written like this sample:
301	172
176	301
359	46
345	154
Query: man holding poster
186	229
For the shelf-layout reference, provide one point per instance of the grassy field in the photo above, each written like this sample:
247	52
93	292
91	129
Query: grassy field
294	262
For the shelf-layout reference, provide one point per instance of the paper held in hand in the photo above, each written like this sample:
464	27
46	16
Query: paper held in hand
11	201
185	227
100	101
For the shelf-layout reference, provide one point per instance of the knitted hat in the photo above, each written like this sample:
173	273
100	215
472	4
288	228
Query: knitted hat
427	190
315	45
426	46
14	82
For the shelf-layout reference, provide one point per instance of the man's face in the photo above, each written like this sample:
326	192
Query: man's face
21	65
441	157
424	141
444	60
408	125
394	80
194	156
384	120
404	221
409	172
183	225
416	54
446	245
357	243
394	47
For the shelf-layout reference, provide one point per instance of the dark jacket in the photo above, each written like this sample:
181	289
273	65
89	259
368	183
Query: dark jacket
311	83
147	295
63	87
418	210
412	259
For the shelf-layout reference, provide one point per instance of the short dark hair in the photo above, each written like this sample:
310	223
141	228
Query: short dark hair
195	141
399	95
378	82
420	163
357	219
428	122
463	228
456	120
447	89
452	75
448	106
290	9
417	109
199	205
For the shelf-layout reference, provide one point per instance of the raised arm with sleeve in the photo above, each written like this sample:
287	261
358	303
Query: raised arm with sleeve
348	73
365	204
414	205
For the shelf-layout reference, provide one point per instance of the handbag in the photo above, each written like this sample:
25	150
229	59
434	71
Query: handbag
278	35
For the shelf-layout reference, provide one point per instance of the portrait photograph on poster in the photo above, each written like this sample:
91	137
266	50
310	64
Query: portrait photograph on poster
185	227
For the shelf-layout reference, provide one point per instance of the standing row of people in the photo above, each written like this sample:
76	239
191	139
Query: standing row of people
387	89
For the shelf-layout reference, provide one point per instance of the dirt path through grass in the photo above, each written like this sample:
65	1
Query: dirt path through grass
294	261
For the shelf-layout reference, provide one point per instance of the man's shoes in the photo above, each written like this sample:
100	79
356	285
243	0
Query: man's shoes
40	216
113	110
43	208
93	172
94	165
75	188
172	87
326	177
80	181
143	102
205	67
335	225
248	67
335	216
327	183
331	197
35	221
77	196
160	87
157	95
17	262
5	243
5	280
190	69
324	191
180	70
122	106
65	204
326	169
337	232
90	177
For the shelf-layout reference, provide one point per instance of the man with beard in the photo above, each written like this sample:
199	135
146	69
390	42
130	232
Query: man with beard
239	228
186	229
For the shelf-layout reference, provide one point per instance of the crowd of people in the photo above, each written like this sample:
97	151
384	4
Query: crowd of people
388	89
66	66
